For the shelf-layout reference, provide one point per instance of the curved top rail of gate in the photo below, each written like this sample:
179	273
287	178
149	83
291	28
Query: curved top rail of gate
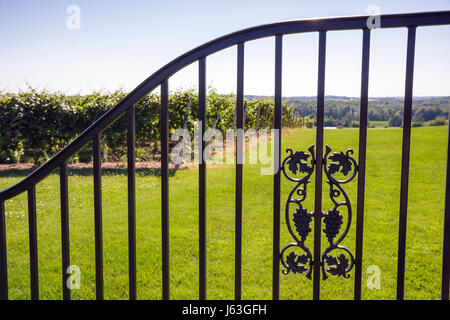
280	28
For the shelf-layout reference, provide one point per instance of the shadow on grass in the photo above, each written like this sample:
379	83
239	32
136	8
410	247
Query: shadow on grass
83	172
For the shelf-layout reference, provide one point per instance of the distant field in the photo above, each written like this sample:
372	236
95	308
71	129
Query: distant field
379	124
424	235
385	124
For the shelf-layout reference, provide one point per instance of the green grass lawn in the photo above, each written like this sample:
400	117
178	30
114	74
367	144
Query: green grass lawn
424	234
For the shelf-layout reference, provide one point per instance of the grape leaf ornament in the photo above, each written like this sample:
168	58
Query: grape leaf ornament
338	265
297	162
340	160
295	262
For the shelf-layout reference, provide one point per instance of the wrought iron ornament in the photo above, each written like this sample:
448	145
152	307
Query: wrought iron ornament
298	167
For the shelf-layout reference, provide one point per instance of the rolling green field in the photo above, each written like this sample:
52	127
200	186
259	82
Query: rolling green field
424	234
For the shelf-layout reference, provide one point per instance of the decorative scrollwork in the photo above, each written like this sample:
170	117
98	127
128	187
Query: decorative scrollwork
340	168
345	165
340	162
297	262
298	162
298	167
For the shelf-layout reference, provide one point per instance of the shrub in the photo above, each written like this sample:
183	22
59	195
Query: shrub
439	121
35	125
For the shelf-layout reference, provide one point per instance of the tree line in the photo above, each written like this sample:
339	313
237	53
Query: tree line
345	112
34	124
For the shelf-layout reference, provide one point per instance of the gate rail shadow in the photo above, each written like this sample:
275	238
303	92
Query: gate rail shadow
161	78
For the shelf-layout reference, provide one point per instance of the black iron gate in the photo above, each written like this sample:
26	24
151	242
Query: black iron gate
298	167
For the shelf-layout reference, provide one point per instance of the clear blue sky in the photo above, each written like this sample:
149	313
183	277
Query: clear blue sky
120	43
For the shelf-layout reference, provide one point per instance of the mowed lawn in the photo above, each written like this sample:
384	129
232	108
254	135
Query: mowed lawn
424	233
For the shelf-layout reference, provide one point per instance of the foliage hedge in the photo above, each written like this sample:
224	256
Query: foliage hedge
36	124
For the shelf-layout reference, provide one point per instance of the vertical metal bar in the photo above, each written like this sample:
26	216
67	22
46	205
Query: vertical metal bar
202	179
239	161
362	161
3	255
405	162
32	227
276	178
319	161
131	145
98	217
164	121
65	244
445	286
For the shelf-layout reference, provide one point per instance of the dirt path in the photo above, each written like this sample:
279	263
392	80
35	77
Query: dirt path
105	165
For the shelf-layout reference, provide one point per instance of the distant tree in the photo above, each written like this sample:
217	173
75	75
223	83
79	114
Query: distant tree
427	113
309	123
396	120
